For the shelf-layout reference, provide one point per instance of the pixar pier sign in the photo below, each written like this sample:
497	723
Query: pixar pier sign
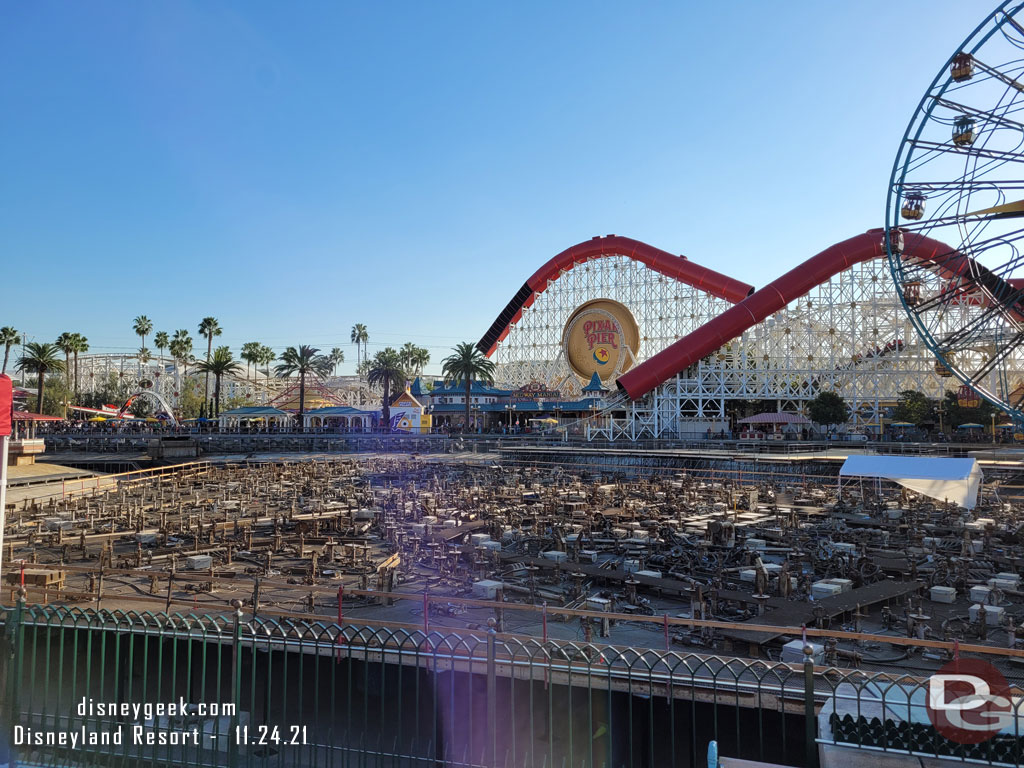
601	336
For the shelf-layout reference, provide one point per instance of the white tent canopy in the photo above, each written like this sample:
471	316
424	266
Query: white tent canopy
956	480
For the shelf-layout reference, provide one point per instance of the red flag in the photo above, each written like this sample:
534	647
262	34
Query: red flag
6	404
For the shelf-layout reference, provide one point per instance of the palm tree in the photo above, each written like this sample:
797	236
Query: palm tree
267	356
251	355
81	345
467	364
9	338
219	364
303	360
337	357
66	344
161	341
407	352
143	355
208	328
385	370
420	358
181	348
142	325
359	336
40	359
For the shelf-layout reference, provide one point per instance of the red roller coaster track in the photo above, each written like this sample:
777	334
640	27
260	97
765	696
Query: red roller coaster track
677	267
776	295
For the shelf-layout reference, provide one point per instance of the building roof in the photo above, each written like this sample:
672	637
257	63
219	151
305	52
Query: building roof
255	411
529	406
343	410
595	385
26	416
406	395
476	388
416	390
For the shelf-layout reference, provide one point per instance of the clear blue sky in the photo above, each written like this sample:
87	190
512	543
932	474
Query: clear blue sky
294	168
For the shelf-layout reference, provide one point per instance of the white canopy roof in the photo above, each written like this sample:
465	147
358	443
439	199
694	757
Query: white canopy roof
956	480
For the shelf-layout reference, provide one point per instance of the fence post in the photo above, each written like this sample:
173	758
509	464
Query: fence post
17	636
492	692
810	720
236	680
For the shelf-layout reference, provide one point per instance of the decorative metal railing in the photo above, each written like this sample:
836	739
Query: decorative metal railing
146	688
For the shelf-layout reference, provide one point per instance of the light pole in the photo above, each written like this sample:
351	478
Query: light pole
510	409
993	429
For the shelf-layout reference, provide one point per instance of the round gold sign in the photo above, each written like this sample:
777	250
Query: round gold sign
600	337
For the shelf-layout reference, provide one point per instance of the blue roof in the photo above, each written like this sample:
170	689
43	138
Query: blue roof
595	384
459	388
416	390
255	410
548	406
342	410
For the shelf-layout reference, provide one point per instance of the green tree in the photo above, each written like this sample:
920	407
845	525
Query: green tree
142	325
220	364
190	400
181	349
251	355
467	364
208	328
66	344
385	371
828	409
9	338
161	341
914	407
956	414
40	359
81	346
303	360
359	336
337	357
267	356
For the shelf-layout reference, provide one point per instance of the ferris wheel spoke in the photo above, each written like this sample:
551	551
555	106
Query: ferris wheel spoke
953	340
998	75
1001	354
949	148
991	117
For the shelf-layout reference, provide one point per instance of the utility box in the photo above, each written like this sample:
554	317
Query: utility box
598	604
476	539
486	589
823	589
650	574
749	575
198	562
993	614
588	555
845	585
943	594
979	594
555	556
755	544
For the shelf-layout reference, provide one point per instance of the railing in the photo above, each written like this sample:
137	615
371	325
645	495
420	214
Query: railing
316	693
291	690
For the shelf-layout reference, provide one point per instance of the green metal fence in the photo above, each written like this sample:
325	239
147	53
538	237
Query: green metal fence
140	688
291	692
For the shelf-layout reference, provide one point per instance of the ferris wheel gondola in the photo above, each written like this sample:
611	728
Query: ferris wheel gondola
959	179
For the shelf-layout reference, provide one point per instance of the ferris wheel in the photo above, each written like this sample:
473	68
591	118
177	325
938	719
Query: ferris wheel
955	213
